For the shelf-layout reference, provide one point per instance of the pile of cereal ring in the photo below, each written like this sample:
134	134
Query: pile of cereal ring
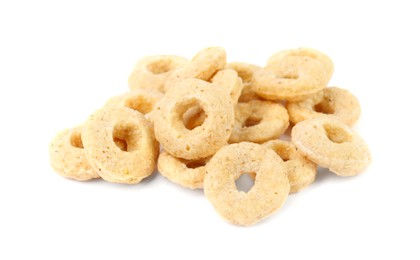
205	122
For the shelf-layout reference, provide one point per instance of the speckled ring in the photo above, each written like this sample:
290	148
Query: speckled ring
331	144
268	194
68	158
331	101
259	121
151	72
246	73
300	171
228	80
201	141
187	173
202	66
292	76
131	164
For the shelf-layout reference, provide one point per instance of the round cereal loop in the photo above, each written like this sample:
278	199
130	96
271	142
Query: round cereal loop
228	79
141	100
332	144
68	158
258	121
202	66
300	171
187	173
151	72
291	78
331	101
270	190
136	160
203	140
246	73
312	53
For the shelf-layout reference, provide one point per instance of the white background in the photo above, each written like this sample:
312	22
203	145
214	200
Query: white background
60	60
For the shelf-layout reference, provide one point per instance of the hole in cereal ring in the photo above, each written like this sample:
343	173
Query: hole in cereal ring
282	151
195	164
160	66
337	134
191	113
76	140
245	182
139	103
121	143
123	137
245	75
324	107
252	121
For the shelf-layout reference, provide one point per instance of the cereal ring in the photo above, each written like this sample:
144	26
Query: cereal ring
258	121
300	171
151	72
187	173
291	78
334	101
141	100
203	140
202	66
268	194
228	79
332	144
312	53
68	156
113	164
246	73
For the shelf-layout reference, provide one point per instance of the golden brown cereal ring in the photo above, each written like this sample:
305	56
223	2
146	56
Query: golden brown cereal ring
202	66
228	79
312	53
151	72
187	173
332	144
291	78
258	121
300	171
203	140
246	73
113	164
333	101
68	156
268	194
141	100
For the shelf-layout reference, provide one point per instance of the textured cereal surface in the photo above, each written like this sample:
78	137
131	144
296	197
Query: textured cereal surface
131	164
246	73
68	158
268	194
300	171
203	140
331	144
228	79
331	101
187	173
258	121
151	72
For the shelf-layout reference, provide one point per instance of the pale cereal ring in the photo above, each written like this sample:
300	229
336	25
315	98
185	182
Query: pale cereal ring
113	164
203	140
300	171
246	73
187	173
68	156
312	53
270	190
141	100
258	121
151	72
228	79
291	78
333	101
202	66
332	144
